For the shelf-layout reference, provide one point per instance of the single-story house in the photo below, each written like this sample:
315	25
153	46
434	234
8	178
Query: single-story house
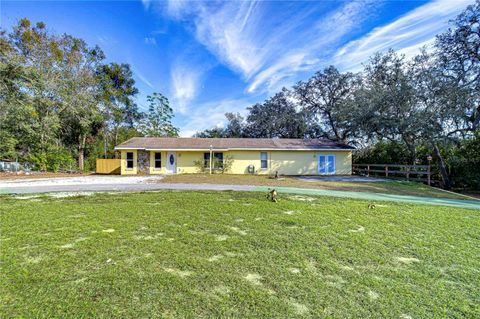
167	155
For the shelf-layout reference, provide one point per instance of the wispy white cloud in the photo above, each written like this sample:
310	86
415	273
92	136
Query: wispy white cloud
146	3
317	42
185	83
150	41
142	78
211	114
406	34
267	51
106	40
270	51
271	48
277	75
229	32
177	8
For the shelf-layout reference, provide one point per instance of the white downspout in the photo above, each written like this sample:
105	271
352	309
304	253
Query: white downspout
211	154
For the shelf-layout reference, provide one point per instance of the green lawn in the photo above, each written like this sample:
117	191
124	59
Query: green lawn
387	187
235	255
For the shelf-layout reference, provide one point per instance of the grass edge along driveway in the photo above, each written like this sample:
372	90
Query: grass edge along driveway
459	203
384	186
364	195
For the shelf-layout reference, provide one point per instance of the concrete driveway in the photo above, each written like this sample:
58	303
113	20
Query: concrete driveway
350	178
149	183
131	183
97	183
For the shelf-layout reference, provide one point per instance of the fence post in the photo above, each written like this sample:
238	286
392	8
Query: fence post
386	170
368	170
428	175
407	172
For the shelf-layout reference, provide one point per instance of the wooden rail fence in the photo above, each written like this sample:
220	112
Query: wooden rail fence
419	173
108	166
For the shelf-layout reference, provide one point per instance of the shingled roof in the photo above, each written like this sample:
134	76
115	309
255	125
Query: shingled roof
181	143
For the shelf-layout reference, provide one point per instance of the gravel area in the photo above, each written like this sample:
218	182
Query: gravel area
78	180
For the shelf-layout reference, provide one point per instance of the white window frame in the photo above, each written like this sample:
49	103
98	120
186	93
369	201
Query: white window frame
326	167
262	160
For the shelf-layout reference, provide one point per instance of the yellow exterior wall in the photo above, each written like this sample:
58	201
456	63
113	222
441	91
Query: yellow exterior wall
293	163
289	162
123	162
343	162
285	162
242	159
185	162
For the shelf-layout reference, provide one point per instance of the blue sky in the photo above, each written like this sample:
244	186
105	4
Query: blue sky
214	57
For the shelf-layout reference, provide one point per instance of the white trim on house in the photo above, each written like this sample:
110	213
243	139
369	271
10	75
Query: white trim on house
234	149
291	149
262	160
185	149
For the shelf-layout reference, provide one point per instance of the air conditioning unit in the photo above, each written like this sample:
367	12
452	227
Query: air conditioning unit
251	169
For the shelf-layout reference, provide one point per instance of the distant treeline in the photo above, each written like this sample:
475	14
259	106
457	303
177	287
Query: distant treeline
61	106
396	110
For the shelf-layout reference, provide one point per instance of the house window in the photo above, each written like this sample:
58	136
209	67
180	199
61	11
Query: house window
217	162
263	160
129	160
158	160
206	160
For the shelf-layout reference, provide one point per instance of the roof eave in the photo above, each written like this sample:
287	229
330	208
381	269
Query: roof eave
119	148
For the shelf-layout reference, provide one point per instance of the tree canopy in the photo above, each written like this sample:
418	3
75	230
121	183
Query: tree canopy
428	104
62	105
60	102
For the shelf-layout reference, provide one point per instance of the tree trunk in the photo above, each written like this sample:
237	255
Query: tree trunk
442	167
411	147
81	151
333	127
116	137
105	143
413	153
43	148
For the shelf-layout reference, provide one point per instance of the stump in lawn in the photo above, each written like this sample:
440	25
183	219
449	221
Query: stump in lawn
272	195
